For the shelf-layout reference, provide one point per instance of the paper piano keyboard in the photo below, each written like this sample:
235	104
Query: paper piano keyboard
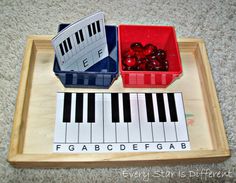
82	44
103	122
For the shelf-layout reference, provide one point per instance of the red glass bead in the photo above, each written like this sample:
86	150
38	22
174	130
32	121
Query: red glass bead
149	49
141	67
161	54
129	53
155	65
136	47
139	55
152	57
130	61
166	66
142	60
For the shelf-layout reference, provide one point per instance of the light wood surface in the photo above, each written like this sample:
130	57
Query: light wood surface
34	120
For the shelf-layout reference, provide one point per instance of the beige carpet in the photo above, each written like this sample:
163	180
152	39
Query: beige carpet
212	20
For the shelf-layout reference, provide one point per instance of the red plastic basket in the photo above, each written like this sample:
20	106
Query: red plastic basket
161	36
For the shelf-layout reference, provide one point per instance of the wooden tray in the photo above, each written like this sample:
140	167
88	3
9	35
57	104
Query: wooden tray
34	120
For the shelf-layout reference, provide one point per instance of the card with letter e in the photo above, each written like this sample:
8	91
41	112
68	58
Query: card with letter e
81	44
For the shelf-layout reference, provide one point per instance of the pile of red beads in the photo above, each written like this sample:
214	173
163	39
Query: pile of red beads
144	58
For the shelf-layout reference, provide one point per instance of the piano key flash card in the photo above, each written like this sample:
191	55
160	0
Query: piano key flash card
81	44
120	122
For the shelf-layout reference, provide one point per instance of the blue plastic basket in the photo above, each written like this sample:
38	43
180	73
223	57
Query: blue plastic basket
100	75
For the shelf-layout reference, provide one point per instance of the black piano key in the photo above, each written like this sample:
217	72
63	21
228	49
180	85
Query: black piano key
65	45
161	107
69	43
62	50
98	26
149	107
90	31
126	107
81	35
77	38
79	108
67	107
94	28
115	107
91	108
172	107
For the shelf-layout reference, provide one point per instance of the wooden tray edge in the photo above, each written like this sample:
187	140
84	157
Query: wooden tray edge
60	161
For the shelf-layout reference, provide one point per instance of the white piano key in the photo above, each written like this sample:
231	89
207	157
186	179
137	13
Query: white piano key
109	127
66	56
97	127
75	44
70	54
181	126
86	32
82	44
102	23
85	127
97	37
60	127
93	38
146	127
94	31
157	126
85	42
60	50
72	127
59	55
134	126
170	132
100	34
73	50
121	127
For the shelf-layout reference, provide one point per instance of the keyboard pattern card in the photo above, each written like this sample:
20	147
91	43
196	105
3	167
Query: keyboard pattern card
81	44
120	122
